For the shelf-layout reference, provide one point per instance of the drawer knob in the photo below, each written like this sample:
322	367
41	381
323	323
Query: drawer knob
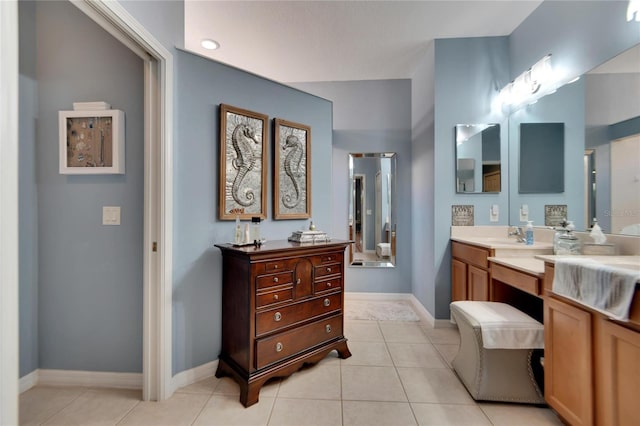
275	297
328	269
329	284
298	281
327	328
277	316
275	266
329	258
327	302
275	279
279	347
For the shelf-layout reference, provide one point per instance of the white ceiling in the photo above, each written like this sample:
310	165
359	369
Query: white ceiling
306	41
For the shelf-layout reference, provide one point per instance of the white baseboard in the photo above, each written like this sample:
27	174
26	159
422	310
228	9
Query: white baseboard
193	375
424	315
28	381
94	379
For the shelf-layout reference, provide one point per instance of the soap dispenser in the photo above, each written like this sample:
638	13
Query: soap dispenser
528	233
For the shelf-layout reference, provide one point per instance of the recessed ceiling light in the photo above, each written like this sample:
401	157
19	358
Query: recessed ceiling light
209	44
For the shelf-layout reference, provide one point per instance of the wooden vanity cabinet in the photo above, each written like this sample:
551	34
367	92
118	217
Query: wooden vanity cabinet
282	307
469	272
592	363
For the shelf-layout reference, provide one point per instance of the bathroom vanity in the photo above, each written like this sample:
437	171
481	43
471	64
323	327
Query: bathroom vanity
282	307
592	362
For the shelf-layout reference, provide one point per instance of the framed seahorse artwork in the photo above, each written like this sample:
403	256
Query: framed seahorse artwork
292	170
243	164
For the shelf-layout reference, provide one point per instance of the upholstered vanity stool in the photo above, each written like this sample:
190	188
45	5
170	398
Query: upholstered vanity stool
496	347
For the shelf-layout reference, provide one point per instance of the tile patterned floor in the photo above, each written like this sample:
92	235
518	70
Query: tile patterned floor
400	374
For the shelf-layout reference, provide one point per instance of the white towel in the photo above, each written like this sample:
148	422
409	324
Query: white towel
502	325
607	289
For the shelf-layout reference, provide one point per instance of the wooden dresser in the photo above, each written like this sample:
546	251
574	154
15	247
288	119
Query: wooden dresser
282	307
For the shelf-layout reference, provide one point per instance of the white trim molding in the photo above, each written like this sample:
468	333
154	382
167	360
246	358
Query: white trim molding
9	280
158	227
193	375
94	379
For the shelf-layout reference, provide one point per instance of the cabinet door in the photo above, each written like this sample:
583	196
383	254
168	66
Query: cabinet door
617	374
478	284
568	377
303	279
458	280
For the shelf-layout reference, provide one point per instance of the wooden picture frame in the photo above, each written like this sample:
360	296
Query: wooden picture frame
91	142
243	164
292	170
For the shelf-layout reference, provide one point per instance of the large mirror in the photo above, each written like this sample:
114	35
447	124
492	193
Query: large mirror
372	212
601	116
477	158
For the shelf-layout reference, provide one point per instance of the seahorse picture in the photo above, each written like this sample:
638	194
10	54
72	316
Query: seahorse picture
292	171
242	163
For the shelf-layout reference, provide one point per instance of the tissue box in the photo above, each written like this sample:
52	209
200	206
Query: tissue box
598	249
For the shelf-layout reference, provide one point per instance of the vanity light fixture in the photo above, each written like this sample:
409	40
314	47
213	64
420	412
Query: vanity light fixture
530	86
209	44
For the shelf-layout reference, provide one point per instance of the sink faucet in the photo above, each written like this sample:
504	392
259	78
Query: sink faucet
517	232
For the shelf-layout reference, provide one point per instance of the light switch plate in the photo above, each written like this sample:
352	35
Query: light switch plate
111	215
494	213
524	213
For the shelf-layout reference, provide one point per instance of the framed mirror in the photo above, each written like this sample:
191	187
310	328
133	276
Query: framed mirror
372	204
478	167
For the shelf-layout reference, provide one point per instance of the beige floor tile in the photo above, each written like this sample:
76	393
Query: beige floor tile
228	411
367	331
313	382
402	332
300	412
435	385
368	353
97	407
228	386
180	409
368	413
443	336
366	383
449	415
522	414
415	355
41	402
206	386
448	352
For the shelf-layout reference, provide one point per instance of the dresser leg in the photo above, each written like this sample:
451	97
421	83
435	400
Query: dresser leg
343	350
250	393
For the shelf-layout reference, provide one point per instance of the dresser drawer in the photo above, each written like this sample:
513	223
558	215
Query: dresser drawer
275	296
283	345
326	270
327	285
327	258
274	319
274	279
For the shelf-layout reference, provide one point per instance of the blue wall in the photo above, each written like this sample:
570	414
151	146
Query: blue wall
468	75
372	116
202	85
89	302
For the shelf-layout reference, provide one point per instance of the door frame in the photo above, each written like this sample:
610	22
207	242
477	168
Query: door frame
9	335
158	190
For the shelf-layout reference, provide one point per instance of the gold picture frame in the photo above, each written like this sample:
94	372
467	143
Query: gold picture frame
243	164
292	170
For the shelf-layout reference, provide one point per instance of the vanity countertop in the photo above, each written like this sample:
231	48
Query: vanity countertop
528	265
629	262
502	243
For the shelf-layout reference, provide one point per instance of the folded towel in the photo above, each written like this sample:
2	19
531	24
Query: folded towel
607	289
502	326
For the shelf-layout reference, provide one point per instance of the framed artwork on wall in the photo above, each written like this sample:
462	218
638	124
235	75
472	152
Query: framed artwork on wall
91	142
243	164
292	170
